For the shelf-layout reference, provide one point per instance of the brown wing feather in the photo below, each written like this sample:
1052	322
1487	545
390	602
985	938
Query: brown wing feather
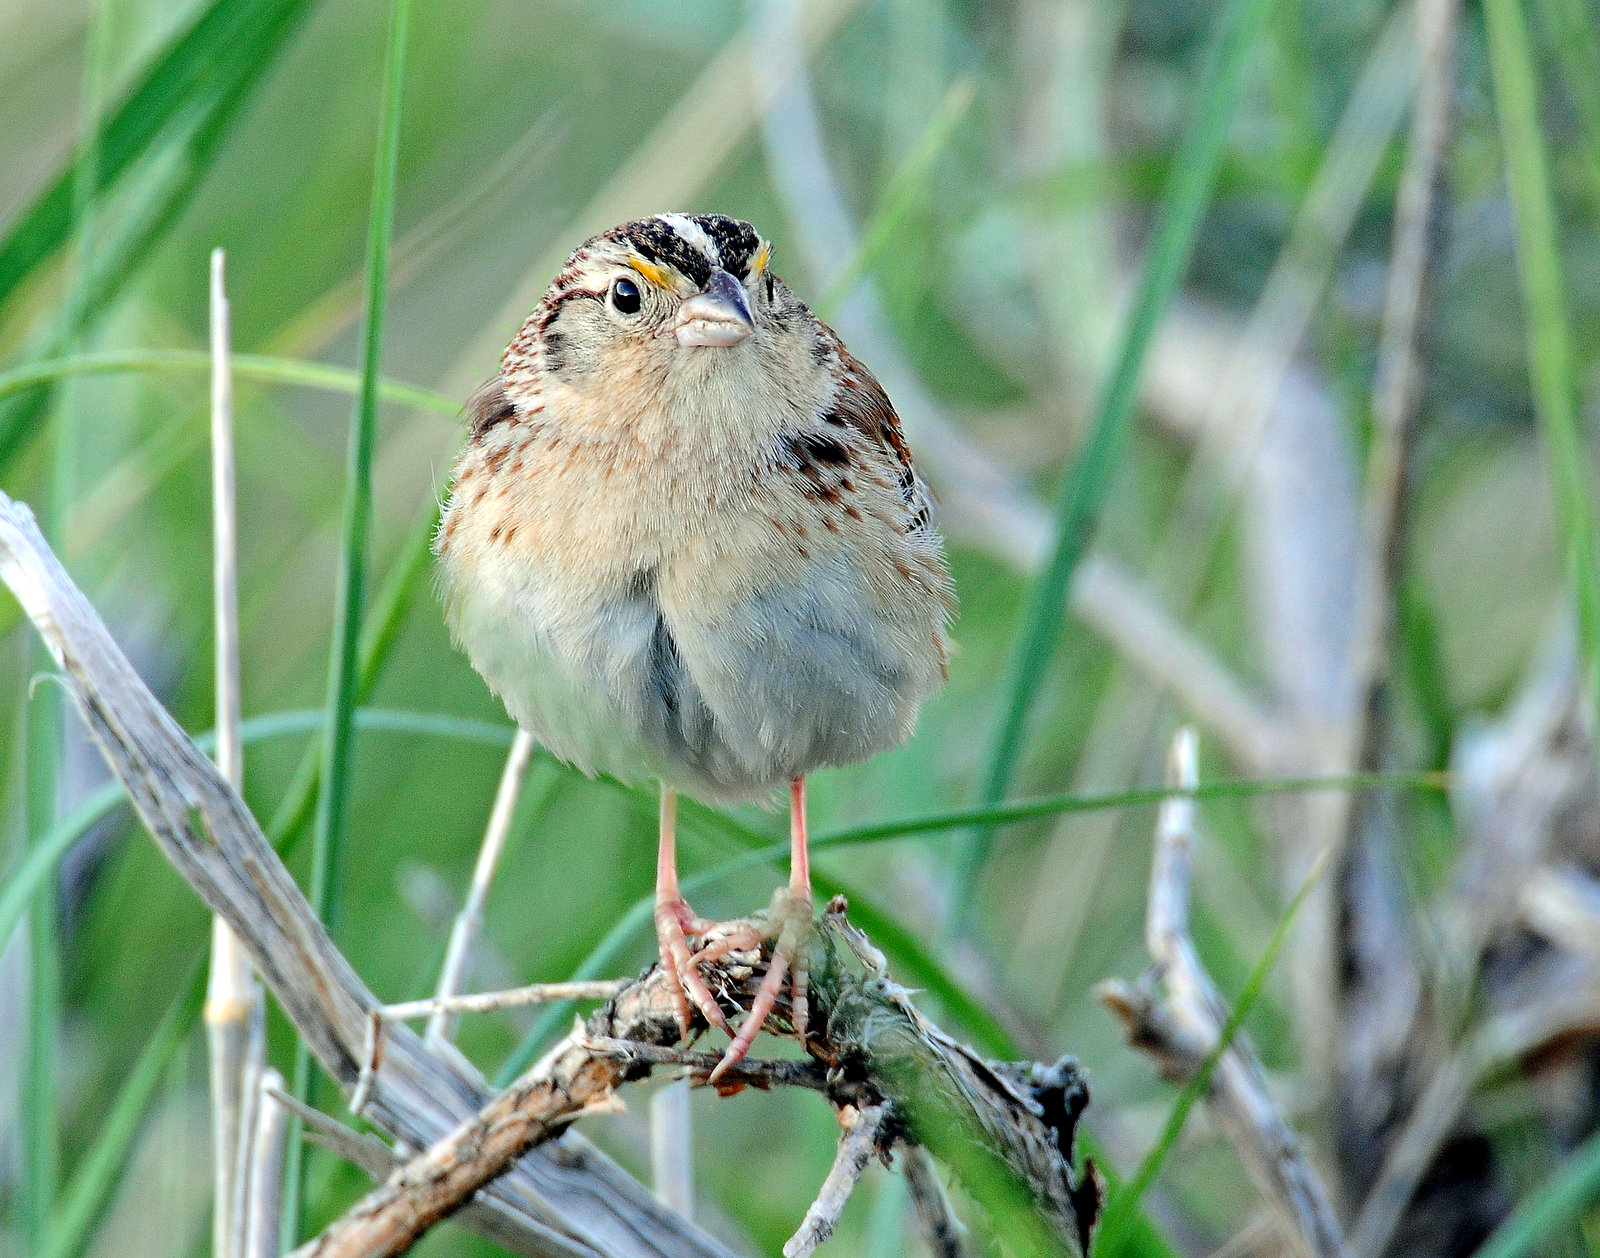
861	405
489	406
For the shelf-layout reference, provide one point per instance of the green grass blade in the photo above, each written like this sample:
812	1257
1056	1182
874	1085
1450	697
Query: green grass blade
40	1162
43	712
331	821
183	110
86	1194
1550	362
258	367
406	575
343	672
1568	1191
1178	222
1120	1209
1054	805
203	70
37	1101
906	189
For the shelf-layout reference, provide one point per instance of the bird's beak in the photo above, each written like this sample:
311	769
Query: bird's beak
718	316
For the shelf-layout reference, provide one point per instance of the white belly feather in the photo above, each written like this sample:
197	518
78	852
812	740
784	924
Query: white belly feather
726	707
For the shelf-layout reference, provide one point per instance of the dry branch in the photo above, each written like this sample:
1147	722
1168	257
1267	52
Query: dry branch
1005	1130
1181	1030
863	1139
491	1219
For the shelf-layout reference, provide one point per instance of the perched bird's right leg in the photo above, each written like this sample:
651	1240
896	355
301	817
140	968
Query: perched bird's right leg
676	921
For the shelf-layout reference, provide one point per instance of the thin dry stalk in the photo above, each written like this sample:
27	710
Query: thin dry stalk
1182	1030
858	1144
493	1002
233	998
469	921
225	532
264	1195
672	1147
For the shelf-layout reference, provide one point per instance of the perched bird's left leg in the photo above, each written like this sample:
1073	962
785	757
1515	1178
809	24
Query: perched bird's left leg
676	921
790	919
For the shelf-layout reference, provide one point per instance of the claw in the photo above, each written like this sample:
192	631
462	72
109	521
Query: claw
743	940
791	913
674	922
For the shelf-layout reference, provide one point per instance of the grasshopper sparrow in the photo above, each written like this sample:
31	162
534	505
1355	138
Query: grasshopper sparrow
686	541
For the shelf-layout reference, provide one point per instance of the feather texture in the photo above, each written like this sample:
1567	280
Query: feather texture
712	565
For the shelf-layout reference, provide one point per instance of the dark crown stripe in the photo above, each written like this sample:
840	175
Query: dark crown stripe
656	241
736	241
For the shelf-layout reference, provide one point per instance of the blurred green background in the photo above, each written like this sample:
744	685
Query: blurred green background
991	307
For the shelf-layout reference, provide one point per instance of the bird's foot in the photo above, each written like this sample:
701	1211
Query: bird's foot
789	924
675	924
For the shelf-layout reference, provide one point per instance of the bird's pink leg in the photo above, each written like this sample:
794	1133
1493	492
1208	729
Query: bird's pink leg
675	921
791	918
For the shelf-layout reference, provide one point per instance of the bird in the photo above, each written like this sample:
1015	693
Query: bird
685	540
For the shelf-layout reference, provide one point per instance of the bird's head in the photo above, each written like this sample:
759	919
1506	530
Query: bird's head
675	294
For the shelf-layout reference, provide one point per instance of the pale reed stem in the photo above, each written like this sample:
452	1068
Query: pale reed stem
441	1025
261	1237
512	998
233	999
671	1147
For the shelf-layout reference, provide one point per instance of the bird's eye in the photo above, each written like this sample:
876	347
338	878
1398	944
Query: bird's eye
625	298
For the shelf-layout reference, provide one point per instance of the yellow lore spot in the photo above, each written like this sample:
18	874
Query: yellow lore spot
655	274
758	264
